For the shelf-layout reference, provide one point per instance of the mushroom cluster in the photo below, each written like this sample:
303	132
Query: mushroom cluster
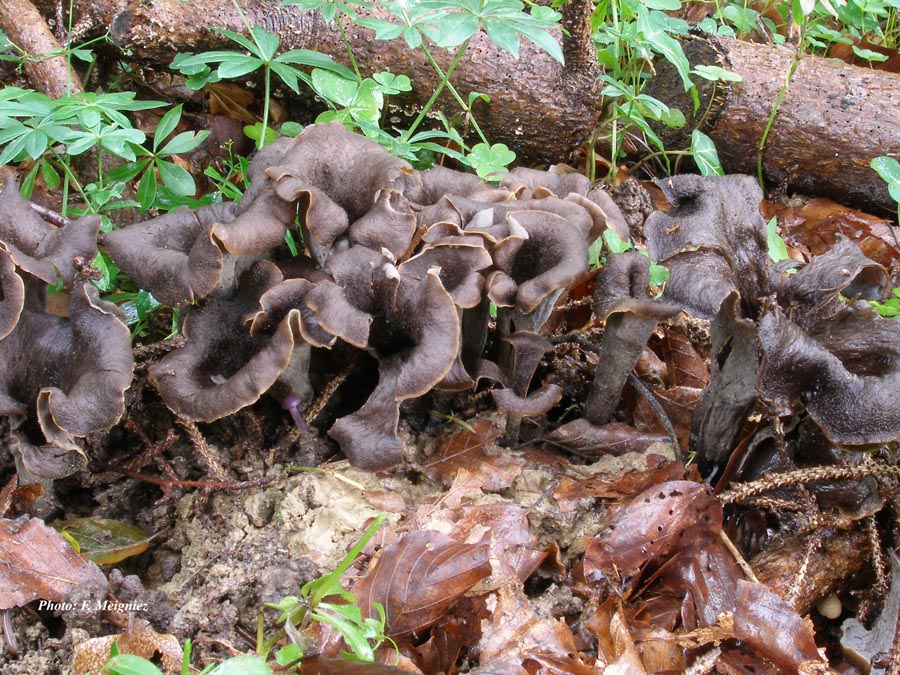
792	336
397	263
69	373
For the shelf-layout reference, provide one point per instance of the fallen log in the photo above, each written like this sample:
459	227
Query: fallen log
25	27
834	119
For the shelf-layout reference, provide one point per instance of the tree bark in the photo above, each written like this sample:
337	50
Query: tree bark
834	119
539	107
27	29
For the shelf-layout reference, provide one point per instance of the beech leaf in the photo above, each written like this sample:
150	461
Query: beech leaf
419	578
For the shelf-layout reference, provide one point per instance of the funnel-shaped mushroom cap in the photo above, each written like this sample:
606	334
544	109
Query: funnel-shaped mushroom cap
71	372
338	178
553	255
12	295
846	371
174	256
528	349
74	370
713	241
90	397
813	293
534	184
415	336
459	262
37	247
631	317
223	367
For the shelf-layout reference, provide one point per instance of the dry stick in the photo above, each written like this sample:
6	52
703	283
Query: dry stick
51	216
167	484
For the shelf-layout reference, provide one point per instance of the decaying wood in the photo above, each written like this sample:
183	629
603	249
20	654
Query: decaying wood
840	554
27	29
538	106
833	121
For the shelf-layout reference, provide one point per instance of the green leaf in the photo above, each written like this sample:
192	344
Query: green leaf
615	243
868	54
490	161
889	170
102	540
266	41
242	40
175	178
705	155
242	665
290	129
391	84
456	28
777	248
166	126
255	131
384	30
238	65
658	274
184	142
129	664
338	91
146	191
306	57
716	73
288	654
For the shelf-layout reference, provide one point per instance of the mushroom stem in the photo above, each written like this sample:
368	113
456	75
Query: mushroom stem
291	403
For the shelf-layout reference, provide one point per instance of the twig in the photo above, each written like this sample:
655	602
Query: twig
52	217
168	484
738	558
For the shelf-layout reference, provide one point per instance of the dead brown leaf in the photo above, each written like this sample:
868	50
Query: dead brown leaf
515	634
584	439
818	224
473	452
15	498
419	578
36	562
140	640
772	627
685	366
654	525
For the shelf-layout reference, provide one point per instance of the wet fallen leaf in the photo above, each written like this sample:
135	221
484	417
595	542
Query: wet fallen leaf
15	498
474	452
584	439
36	562
818	224
684	365
504	528
141	640
516	634
419	578
103	540
652	526
772	627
